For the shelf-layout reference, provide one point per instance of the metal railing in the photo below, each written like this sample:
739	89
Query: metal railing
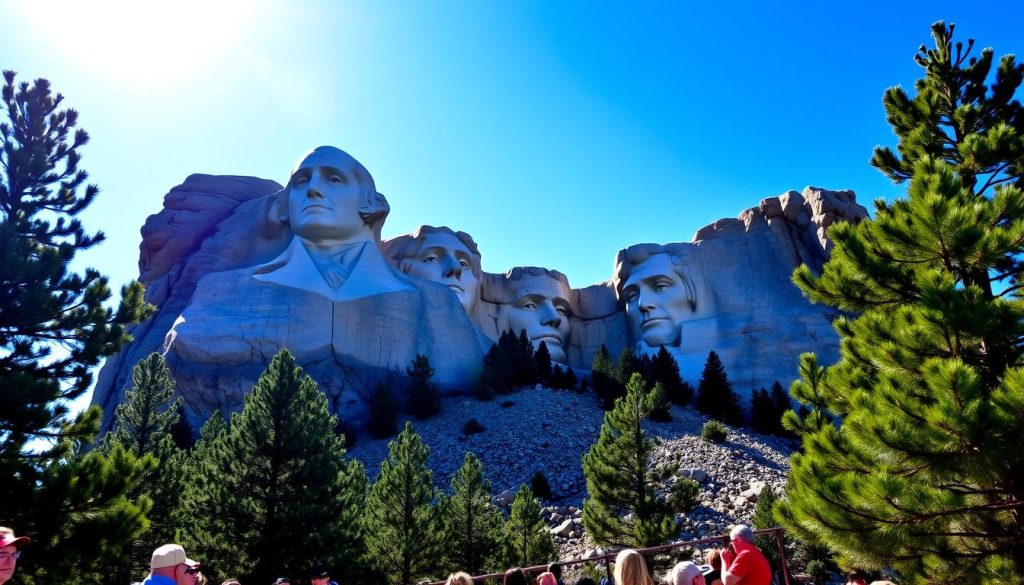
776	533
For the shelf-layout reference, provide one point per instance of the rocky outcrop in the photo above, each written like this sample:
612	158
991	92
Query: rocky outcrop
548	431
207	257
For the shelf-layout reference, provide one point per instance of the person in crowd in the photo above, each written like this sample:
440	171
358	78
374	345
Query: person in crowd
546	578
170	565
234	581
584	580
685	573
10	550
856	577
278	581
515	576
319	575
556	570
714	560
742	562
631	569
459	578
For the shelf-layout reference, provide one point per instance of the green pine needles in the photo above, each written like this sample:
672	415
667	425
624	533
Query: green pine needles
273	491
403	527
922	470
623	507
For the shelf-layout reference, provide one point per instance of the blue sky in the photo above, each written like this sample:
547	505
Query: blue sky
555	133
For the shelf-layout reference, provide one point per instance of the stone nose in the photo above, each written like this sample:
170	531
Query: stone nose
451	266
549	315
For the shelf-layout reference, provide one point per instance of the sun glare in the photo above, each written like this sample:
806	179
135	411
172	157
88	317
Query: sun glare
155	43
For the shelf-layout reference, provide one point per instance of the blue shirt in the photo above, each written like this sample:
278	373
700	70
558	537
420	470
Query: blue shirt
152	579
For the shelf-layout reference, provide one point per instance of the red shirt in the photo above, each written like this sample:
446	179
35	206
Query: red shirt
749	565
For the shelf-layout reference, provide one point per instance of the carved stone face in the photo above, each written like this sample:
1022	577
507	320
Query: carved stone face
445	259
656	302
542	309
324	199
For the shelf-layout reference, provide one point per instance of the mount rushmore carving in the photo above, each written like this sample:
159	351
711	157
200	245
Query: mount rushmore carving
240	268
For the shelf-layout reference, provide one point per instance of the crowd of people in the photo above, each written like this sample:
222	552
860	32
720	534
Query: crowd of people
740	563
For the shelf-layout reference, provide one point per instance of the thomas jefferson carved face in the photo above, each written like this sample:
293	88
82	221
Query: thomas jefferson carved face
542	308
656	301
445	259
325	197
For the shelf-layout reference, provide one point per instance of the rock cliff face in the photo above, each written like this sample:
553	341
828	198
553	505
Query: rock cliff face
205	256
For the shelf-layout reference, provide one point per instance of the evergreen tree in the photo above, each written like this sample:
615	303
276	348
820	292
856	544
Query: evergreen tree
626	365
403	531
424	401
762	412
602	379
181	431
149	410
472	525
542	364
781	401
623	507
276	492
921	470
524	371
72	504
143	425
527	538
715	396
661	408
490	381
380	421
764	518
665	369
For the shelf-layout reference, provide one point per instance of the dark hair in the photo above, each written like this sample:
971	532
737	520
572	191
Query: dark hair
556	570
515	576
584	580
319	570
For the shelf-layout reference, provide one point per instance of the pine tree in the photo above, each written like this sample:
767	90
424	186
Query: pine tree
181	432
762	519
715	396
527	538
472	525
661	408
762	412
602	379
626	365
72	504
424	401
276	492
149	411
524	372
782	403
380	421
623	507
403	529
542	363
665	369
143	425
921	469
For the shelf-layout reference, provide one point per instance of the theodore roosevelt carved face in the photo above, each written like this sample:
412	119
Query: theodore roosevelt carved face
539	304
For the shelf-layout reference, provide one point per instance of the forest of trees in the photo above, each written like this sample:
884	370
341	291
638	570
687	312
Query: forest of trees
909	451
